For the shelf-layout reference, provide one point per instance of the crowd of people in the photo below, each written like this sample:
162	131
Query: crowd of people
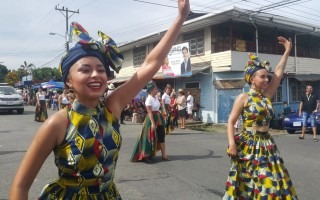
54	100
84	134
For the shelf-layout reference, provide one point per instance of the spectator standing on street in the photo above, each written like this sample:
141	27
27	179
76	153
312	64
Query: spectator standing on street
111	88
173	109
181	102
165	102
308	106
63	100
85	139
190	102
286	109
257	169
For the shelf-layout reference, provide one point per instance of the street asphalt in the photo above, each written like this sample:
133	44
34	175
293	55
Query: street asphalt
197	171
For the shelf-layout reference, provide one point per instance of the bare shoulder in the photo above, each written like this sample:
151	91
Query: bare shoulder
55	126
242	99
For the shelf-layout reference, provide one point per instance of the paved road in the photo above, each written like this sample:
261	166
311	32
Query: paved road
198	169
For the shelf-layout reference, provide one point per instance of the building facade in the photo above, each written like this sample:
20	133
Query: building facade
219	47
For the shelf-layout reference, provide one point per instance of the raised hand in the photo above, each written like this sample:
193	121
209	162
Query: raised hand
287	43
184	7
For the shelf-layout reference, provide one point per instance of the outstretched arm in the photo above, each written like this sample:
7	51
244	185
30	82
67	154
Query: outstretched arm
118	99
50	134
278	71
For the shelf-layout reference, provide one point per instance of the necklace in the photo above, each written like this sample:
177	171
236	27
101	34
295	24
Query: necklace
308	97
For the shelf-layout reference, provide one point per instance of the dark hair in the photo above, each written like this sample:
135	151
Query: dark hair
150	86
186	48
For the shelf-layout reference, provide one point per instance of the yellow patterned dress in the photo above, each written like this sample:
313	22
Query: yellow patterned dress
87	158
258	171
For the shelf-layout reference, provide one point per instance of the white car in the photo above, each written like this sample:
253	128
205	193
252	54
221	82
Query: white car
10	100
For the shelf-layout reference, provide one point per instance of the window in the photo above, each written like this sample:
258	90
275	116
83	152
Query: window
192	85
196	42
139	55
297	88
277	97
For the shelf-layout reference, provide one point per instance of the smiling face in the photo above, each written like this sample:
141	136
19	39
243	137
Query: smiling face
88	78
260	79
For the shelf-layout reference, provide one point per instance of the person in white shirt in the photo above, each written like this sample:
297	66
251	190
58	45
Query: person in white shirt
111	87
153	130
190	101
165	101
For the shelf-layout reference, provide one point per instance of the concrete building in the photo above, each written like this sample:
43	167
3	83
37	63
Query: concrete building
219	47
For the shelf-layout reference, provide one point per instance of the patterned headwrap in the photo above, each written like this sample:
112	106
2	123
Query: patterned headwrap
105	49
150	86
253	65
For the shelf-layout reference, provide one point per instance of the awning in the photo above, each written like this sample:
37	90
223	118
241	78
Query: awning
306	77
229	84
124	74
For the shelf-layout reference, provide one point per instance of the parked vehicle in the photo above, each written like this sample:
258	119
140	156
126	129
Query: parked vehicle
293	122
10	100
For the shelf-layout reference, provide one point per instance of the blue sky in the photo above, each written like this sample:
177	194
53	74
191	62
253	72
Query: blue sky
25	25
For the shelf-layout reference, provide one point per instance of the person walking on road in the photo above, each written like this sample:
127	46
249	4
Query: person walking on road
85	139
41	113
308	107
257	169
152	136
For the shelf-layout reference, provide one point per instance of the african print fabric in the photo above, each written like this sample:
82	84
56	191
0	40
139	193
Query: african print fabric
87	158
41	113
168	120
147	143
258	171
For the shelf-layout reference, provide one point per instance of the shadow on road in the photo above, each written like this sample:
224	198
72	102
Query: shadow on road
10	152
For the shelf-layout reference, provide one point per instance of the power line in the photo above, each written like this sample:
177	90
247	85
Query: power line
67	22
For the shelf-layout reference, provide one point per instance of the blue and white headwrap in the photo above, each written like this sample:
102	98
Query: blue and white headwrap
105	49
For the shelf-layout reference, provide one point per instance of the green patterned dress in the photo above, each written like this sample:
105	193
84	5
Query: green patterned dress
258	171
87	158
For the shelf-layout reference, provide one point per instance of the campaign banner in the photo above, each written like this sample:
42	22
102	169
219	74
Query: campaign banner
178	62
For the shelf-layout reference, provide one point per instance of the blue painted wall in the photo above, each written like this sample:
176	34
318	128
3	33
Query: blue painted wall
206	95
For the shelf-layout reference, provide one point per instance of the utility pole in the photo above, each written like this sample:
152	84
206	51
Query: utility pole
67	22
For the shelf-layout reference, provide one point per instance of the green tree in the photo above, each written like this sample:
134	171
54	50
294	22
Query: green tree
3	72
21	73
12	78
27	68
47	73
37	75
56	74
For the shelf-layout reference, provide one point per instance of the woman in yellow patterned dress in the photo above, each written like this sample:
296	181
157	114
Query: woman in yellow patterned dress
257	170
85	138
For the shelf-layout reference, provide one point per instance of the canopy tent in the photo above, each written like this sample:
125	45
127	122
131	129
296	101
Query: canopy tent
50	84
142	93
